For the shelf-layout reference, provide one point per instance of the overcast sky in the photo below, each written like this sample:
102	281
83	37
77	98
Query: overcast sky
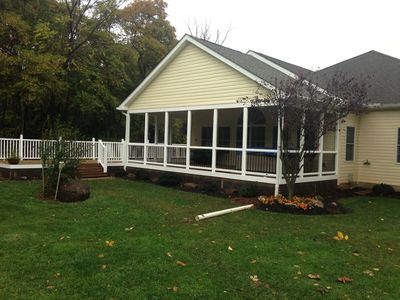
310	33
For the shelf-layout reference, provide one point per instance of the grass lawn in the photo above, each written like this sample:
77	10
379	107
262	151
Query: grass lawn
58	251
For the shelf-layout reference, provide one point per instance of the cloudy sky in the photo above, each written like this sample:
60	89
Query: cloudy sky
311	33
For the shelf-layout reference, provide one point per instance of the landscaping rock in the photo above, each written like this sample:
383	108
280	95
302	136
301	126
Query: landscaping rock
131	176
73	191
190	185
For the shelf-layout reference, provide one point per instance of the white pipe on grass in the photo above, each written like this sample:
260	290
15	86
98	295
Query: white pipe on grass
222	212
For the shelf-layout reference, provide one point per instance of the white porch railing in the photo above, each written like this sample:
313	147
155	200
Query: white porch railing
30	149
102	155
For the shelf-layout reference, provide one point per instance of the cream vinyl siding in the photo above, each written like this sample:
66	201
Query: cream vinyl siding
194	78
378	144
348	170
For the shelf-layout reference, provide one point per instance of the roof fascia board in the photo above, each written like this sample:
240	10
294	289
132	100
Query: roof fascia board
174	52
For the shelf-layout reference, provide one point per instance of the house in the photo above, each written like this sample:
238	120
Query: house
369	144
187	119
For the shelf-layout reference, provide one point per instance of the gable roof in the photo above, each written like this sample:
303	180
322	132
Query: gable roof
249	66
381	71
248	62
288	66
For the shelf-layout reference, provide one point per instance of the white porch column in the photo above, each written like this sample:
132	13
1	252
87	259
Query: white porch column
146	137
244	139
155	129
321	149
214	141
188	138
127	139
278	156
337	134
166	122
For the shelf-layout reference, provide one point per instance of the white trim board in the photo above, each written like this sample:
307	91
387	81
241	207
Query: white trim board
172	54
197	107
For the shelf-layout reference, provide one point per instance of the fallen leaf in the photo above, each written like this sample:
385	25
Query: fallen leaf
104	266
181	263
100	255
340	236
169	254
110	243
390	249
314	276
230	248
61	238
344	279
253	261
254	278
355	253
316	284
57	275
174	288
129	228
368	272
50	287
298	273
375	269
300	252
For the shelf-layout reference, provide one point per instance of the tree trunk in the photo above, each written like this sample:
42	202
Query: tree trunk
290	184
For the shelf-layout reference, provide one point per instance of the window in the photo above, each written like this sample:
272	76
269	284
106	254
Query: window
255	130
206	136
223	136
350	131
398	145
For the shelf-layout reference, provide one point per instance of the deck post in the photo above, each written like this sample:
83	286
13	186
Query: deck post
21	145
166	138
214	141
93	150
188	138
146	136
278	156
127	138
244	139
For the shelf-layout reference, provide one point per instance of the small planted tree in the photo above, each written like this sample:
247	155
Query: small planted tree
307	111
55	152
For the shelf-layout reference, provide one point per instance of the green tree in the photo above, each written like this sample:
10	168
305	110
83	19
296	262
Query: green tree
146	29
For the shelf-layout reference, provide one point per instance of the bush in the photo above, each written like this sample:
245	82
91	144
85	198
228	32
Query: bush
383	189
142	174
169	179
248	190
211	187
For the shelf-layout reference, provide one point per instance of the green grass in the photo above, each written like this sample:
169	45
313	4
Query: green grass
286	247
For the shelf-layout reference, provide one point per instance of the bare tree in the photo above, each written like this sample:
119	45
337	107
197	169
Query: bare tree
205	32
305	113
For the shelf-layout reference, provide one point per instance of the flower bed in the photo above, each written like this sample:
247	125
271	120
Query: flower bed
298	205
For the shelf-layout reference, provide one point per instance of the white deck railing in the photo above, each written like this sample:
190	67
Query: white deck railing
31	148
